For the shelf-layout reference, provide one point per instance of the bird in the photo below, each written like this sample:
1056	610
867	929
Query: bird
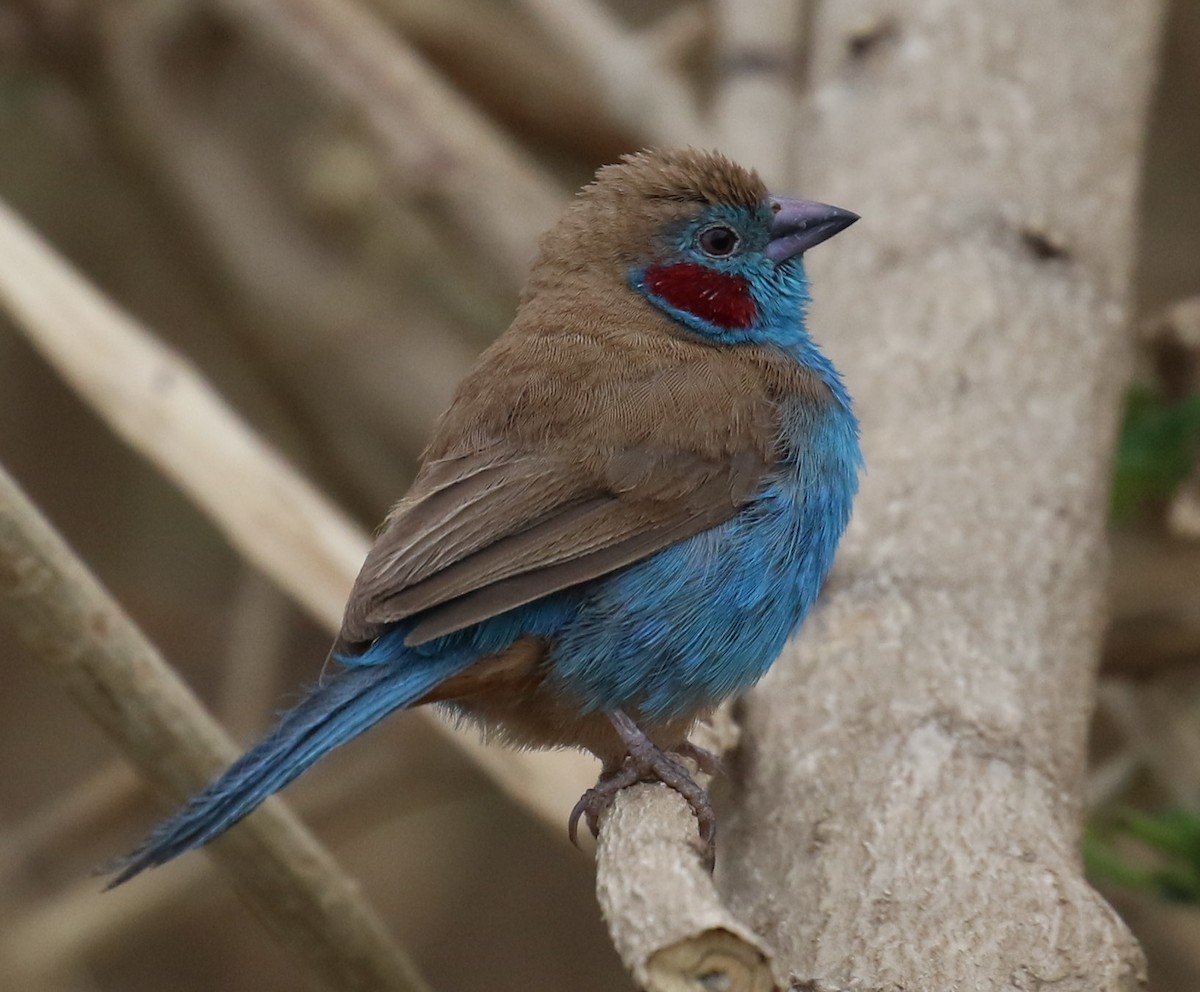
629	506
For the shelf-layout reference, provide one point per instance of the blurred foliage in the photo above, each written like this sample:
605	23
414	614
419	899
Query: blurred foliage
1157	449
1154	852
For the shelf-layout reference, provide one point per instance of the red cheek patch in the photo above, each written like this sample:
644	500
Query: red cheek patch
715	297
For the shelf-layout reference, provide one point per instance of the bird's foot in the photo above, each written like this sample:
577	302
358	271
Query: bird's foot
646	762
599	798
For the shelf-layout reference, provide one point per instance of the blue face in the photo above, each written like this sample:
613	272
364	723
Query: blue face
716	279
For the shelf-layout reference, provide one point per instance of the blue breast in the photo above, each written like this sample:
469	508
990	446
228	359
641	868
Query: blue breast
705	618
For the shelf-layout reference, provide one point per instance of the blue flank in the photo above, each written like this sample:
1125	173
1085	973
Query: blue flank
662	638
705	618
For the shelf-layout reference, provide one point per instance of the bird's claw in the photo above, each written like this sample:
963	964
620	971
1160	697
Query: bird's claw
599	798
645	762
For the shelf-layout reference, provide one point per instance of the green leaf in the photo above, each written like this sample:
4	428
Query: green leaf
1164	858
1156	451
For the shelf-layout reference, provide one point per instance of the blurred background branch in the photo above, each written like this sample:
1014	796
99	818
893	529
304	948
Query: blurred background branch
272	516
67	622
445	155
637	89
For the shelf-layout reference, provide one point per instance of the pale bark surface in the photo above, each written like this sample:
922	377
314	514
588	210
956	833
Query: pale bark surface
912	769
910	774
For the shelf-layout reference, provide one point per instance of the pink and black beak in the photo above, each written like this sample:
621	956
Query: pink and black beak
802	224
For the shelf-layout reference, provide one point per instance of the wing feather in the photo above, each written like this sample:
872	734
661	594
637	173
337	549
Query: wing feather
556	465
525	588
460	556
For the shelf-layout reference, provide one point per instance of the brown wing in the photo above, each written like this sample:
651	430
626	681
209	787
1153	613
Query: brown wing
495	532
563	458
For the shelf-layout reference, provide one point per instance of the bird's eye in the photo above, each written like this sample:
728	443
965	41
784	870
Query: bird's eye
719	241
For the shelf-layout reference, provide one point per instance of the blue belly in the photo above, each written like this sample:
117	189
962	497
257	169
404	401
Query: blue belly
704	619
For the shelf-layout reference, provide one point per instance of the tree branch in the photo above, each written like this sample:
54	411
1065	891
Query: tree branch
157	403
662	908
757	83
543	97
73	926
303	293
67	622
923	743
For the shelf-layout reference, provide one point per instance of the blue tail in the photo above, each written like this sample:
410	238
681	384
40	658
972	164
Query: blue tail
351	702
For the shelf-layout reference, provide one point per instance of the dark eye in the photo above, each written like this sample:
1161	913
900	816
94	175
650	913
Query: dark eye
718	241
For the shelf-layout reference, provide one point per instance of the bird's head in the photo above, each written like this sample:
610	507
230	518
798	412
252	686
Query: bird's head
699	237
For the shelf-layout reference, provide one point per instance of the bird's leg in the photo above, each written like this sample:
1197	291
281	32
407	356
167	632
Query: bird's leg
646	762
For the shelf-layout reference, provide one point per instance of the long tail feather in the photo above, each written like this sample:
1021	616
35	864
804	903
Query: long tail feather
331	714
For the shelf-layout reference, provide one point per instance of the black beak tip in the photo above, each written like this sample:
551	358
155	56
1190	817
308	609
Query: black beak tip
798	225
844	218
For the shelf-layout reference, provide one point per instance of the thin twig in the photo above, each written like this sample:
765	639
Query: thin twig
756	101
640	93
441	150
162	407
1160	728
1109	779
68	623
670	925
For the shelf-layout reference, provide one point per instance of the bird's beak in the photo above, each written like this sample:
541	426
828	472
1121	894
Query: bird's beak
803	224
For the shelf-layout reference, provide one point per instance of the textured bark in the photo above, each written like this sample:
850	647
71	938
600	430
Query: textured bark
689	941
909	781
910	773
913	767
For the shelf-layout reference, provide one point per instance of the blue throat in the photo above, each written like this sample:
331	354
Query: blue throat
781	299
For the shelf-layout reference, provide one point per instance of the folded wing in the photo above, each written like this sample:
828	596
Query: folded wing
483	534
557	464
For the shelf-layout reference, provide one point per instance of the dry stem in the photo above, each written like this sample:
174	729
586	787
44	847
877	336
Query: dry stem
65	621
